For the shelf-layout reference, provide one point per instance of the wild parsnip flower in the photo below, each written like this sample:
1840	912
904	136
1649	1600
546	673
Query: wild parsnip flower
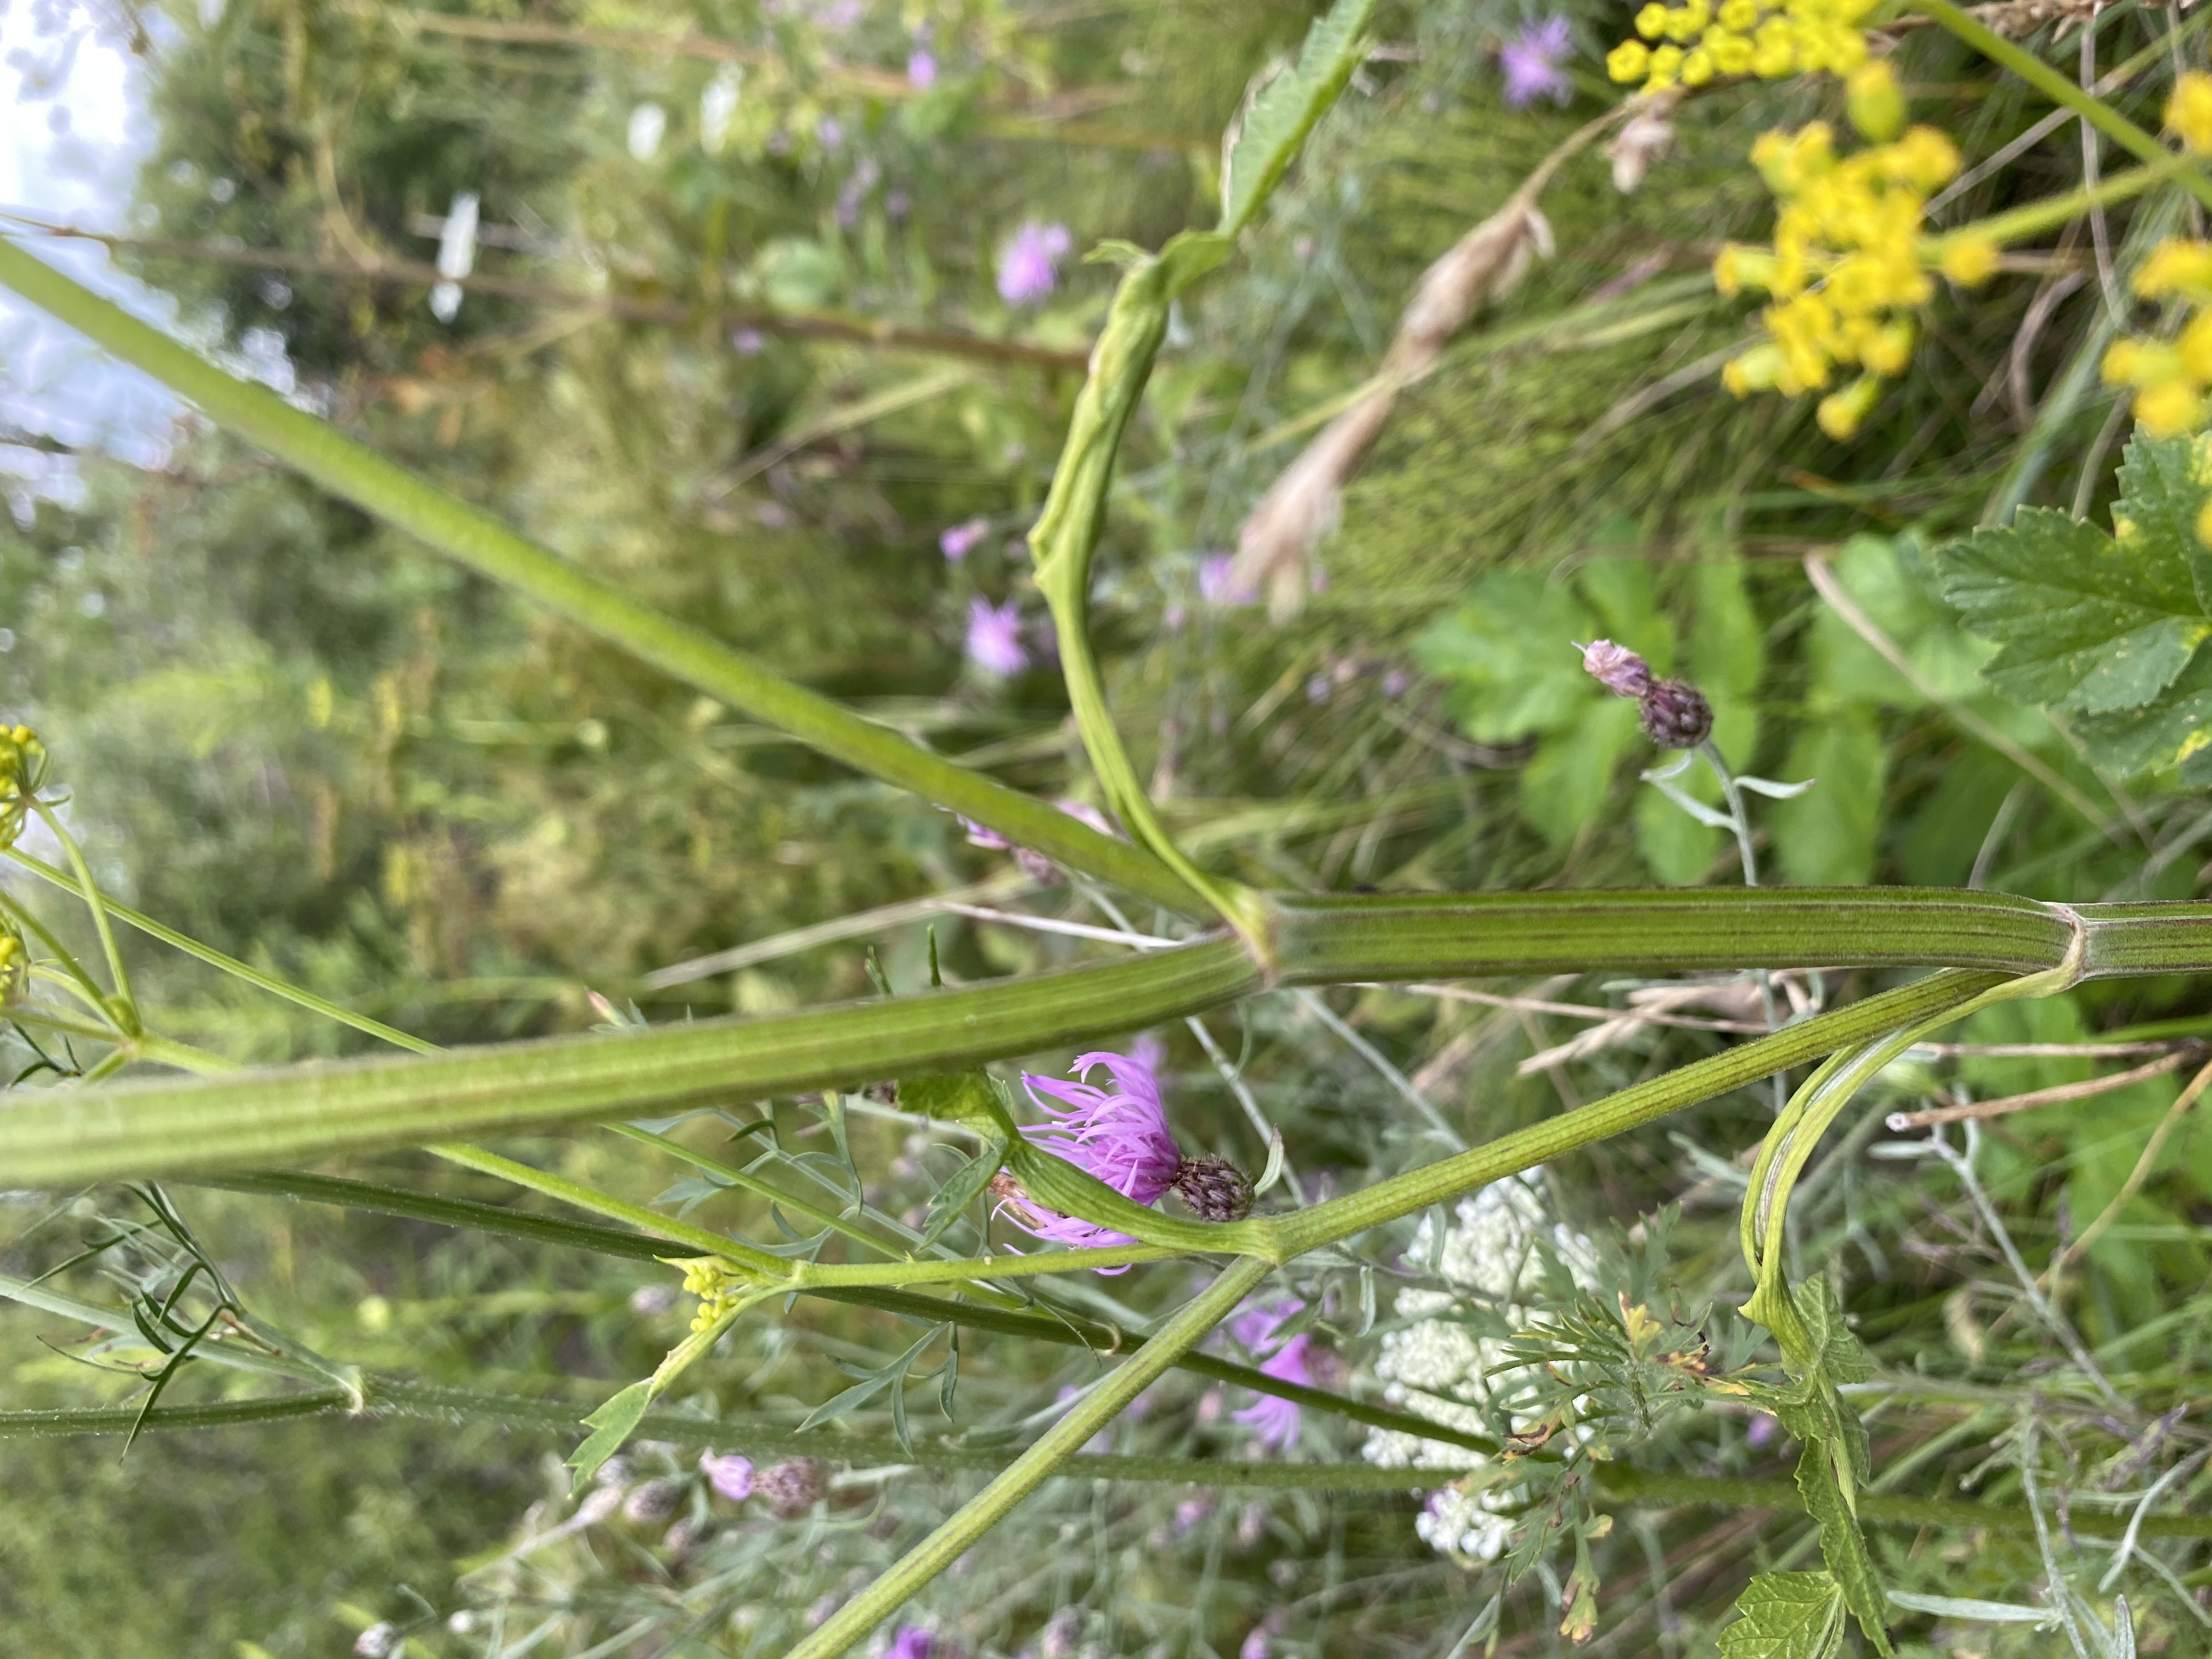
22	774
1694	42
2171	378
1121	1137
2189	112
1531	62
1845	271
710	1280
14	965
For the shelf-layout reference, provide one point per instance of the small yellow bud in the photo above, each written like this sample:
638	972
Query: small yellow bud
2121	359
1774	49
2204	524
1875	101
1889	349
1841	412
2176	265
23	773
1969	263
1739	16
1629	62
1651	21
1666	65
14	965
2189	112
1732	54
2170	409
1927	157
1696	67
1755	370
2195	346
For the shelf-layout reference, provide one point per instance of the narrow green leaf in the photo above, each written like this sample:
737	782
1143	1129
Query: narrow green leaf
611	1425
954	1197
1276	125
1843	1546
1787	1616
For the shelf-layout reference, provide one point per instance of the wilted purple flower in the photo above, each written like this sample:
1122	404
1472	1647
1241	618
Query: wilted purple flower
1084	812
1216	581
995	638
920	69
1617	668
1190	1512
651	1500
1273	1422
1531	62
958	543
1260	1642
1029	268
1121	1136
1041	869
731	1477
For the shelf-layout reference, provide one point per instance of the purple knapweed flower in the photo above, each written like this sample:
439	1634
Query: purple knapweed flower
1041	870
1273	1422
1121	1136
731	1477
912	1642
1531	62
921	68
995	638
962	539
1029	267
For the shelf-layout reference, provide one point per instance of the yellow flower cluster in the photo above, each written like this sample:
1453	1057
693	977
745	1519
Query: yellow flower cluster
1695	41
14	965
1845	271
22	771
2172	378
709	1278
2169	378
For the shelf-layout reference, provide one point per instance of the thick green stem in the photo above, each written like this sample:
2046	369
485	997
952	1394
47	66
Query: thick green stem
2061	89
477	539
282	1115
1048	1456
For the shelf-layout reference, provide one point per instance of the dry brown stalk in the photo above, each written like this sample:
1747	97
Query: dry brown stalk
2051	1097
1302	505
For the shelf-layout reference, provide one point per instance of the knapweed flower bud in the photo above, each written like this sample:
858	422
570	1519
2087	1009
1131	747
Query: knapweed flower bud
23	772
1675	715
1617	668
731	1477
1215	1188
599	1504
794	1487
651	1500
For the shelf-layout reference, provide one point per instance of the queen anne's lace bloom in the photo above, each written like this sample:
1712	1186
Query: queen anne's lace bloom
1438	1368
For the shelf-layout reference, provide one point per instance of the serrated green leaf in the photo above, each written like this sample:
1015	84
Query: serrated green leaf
1843	1546
1787	1616
1510	652
1568	782
2164	483
2175	731
611	1425
1276	125
1841	1359
2089	623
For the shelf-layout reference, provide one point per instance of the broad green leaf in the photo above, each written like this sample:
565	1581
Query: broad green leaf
1627	600
611	1425
1509	651
1843	1546
1727	649
1888	582
1680	850
2176	731
2163	484
1787	1616
1826	835
1277	122
2089	623
1567	784
1839	1356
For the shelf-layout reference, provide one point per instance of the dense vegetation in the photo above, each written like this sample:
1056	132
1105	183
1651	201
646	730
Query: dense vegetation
775	318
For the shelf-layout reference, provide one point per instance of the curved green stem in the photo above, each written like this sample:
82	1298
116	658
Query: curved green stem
124	1006
474	538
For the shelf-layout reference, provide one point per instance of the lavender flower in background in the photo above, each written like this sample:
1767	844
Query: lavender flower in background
962	539
748	342
995	638
1396	683
1121	1136
731	1477
1274	1423
920	69
911	1642
830	133
1531	62
1029	268
1041	870
1216	581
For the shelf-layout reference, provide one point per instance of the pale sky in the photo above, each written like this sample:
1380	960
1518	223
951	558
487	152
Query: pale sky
69	148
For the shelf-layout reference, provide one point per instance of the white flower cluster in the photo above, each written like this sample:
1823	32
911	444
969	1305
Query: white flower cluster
1439	1369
